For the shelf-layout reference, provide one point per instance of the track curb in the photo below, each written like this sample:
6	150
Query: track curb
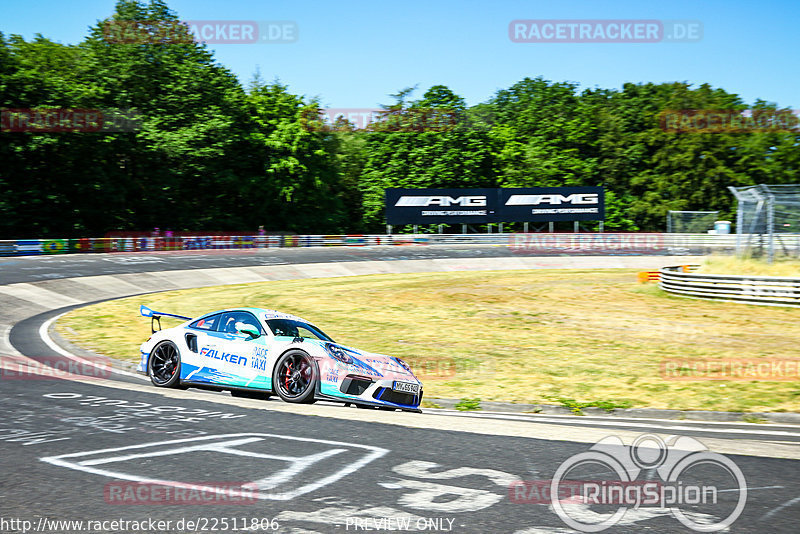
628	413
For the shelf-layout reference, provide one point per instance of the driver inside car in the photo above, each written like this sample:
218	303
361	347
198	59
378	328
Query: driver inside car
285	329
230	326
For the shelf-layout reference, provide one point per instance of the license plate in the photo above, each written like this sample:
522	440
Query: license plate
406	387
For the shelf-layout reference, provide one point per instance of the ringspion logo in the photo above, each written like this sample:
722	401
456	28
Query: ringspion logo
677	476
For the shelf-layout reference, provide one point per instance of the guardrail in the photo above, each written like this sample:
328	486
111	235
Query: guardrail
763	290
533	243
26	247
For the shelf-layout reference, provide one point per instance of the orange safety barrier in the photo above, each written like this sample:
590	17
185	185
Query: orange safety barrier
649	276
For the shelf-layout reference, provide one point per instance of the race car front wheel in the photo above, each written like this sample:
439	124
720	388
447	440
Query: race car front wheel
164	365
295	377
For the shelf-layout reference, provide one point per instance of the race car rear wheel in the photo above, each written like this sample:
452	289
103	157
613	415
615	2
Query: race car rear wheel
295	377
164	366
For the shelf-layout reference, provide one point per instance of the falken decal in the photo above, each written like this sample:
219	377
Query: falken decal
223	356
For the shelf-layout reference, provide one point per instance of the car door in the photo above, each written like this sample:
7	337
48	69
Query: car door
202	339
244	356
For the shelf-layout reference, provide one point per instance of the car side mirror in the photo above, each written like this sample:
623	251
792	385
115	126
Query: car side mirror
248	329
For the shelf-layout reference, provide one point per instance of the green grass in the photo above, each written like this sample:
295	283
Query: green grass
577	407
595	338
468	405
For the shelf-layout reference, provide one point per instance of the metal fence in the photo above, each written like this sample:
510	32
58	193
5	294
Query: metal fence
763	290
532	243
767	219
691	222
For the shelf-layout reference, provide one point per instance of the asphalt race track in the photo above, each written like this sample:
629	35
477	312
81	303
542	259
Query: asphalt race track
27	269
73	450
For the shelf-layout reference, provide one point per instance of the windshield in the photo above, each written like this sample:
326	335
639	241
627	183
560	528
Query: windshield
292	328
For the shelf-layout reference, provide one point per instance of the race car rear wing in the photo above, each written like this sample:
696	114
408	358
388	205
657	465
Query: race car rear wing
155	317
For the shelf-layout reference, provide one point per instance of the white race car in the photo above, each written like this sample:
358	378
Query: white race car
256	353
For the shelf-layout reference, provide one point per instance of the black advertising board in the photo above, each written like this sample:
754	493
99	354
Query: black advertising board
441	206
481	206
544	204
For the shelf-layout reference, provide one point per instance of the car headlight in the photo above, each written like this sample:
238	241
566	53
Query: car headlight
337	353
403	364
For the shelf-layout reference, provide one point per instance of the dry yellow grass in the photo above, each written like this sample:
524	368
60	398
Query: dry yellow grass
787	267
521	336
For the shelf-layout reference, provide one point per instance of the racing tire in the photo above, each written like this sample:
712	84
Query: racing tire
164	365
244	394
295	377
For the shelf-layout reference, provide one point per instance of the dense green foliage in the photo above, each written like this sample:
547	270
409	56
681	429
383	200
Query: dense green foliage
209	154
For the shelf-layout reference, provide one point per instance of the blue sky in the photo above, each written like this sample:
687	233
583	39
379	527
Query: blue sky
354	53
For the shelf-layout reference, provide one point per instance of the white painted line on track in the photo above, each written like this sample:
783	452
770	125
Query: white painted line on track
6	348
214	443
581	422
45	336
777	509
584	418
664	425
750	489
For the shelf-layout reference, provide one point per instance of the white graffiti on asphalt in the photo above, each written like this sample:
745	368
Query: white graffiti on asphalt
189	415
428	495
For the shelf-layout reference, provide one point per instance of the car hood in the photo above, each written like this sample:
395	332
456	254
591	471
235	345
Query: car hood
372	364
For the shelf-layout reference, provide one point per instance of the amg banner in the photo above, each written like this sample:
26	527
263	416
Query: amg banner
544	204
439	206
480	206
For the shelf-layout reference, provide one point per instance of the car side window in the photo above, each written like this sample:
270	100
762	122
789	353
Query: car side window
283	327
292	328
305	332
207	323
229	320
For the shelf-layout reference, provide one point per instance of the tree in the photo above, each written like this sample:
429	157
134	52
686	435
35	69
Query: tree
208	155
299	184
437	155
545	135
